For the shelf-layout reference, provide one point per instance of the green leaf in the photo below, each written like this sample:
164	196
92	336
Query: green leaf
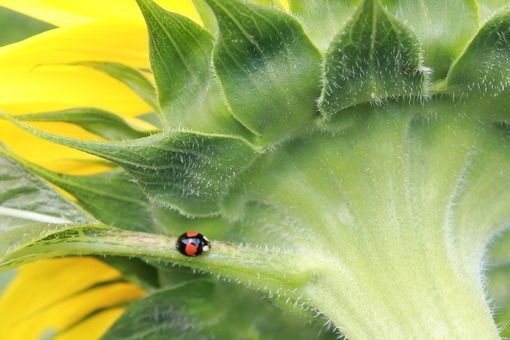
268	68
102	123
209	20
189	171
213	116
373	59
180	53
268	270
480	78
483	70
30	210
204	309
322	19
29	243
25	200
131	77
442	39
111	197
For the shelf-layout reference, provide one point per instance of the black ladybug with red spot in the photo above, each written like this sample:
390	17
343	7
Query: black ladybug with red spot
192	243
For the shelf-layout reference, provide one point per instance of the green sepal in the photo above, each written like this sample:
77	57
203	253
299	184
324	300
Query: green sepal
212	115
205	309
180	53
442	39
25	199
29	243
30	209
131	77
99	122
209	20
266	270
322	19
189	171
111	197
268	68
373	59
481	75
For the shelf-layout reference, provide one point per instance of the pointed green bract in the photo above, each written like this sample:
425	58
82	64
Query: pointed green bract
373	59
212	115
189	171
180	54
100	122
483	70
30	209
322	19
480	77
442	37
268	68
25	199
41	241
111	197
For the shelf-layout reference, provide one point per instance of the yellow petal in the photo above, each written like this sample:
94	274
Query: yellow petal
33	79
120	41
94	327
51	295
70	13
56	88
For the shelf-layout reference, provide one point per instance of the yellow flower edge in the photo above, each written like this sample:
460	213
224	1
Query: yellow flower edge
70	13
51	295
37	75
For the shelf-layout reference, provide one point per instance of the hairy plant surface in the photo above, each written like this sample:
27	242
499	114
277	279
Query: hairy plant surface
347	159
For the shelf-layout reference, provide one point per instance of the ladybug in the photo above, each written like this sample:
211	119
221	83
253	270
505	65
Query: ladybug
192	243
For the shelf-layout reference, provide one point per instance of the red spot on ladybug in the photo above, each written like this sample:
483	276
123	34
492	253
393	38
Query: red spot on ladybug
192	243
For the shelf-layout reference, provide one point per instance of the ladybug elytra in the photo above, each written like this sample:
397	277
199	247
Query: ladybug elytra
192	243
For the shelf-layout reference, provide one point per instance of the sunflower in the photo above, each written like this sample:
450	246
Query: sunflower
257	169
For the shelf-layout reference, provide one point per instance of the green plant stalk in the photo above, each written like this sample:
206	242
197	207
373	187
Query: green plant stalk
398	206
